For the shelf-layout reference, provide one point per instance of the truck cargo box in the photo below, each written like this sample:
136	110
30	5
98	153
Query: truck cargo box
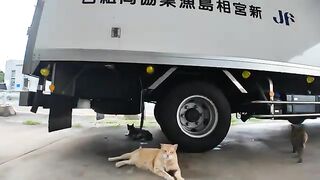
268	35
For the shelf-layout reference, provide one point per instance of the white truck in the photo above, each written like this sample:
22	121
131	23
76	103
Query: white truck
197	60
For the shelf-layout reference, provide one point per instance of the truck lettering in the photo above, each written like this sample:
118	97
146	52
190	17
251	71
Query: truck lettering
240	9
148	2
206	5
224	6
132	2
88	1
255	11
284	18
188	4
168	3
107	1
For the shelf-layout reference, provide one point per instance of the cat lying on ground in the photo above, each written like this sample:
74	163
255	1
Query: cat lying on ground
162	162
139	134
299	138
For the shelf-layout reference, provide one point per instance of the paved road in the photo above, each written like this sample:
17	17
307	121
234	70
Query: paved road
250	152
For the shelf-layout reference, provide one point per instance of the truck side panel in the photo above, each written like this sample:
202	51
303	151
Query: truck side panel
281	31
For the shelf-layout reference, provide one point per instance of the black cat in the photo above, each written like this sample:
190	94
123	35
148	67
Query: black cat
137	134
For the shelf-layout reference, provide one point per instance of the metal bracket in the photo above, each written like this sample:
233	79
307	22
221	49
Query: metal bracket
235	82
38	94
285	102
286	115
161	79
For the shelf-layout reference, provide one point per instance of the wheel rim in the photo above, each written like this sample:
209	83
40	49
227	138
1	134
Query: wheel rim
197	116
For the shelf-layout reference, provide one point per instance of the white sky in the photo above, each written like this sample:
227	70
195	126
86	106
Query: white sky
15	18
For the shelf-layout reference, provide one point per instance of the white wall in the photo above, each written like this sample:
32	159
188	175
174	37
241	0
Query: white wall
18	77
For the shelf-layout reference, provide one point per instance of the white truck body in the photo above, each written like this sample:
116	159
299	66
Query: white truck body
285	37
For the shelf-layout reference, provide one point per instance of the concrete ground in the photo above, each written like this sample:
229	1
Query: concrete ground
250	152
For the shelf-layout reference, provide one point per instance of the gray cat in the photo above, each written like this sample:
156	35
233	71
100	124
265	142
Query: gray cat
299	138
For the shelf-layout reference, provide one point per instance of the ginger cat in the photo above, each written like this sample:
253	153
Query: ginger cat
162	162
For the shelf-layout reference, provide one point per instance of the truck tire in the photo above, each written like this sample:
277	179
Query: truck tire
157	112
296	120
195	115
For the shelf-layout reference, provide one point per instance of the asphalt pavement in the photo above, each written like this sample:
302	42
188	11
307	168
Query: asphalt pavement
250	152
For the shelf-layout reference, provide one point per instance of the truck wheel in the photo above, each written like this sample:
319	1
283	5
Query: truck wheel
157	112
196	116
296	120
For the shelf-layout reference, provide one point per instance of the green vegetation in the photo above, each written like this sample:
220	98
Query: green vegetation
31	122
1	76
77	125
234	121
254	120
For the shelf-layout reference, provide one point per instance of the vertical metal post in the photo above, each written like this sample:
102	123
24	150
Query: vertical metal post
142	108
271	94
53	76
41	87
37	97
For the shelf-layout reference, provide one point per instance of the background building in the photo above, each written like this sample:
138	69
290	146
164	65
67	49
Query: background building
15	80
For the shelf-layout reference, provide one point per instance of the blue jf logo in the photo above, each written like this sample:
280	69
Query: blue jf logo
285	18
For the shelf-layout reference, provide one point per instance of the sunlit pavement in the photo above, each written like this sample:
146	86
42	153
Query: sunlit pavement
250	152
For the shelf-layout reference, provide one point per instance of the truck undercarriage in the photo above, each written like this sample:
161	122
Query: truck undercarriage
193	105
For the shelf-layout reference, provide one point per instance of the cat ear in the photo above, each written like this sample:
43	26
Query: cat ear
162	145
175	146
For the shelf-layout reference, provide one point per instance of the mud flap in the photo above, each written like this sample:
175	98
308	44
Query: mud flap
60	116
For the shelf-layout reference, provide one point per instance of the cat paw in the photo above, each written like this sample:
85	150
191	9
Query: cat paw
118	165
110	159
170	178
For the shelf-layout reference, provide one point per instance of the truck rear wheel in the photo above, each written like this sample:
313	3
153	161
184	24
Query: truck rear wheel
195	115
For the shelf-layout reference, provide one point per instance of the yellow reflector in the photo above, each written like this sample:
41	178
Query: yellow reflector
44	72
52	87
310	79
246	74
150	70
